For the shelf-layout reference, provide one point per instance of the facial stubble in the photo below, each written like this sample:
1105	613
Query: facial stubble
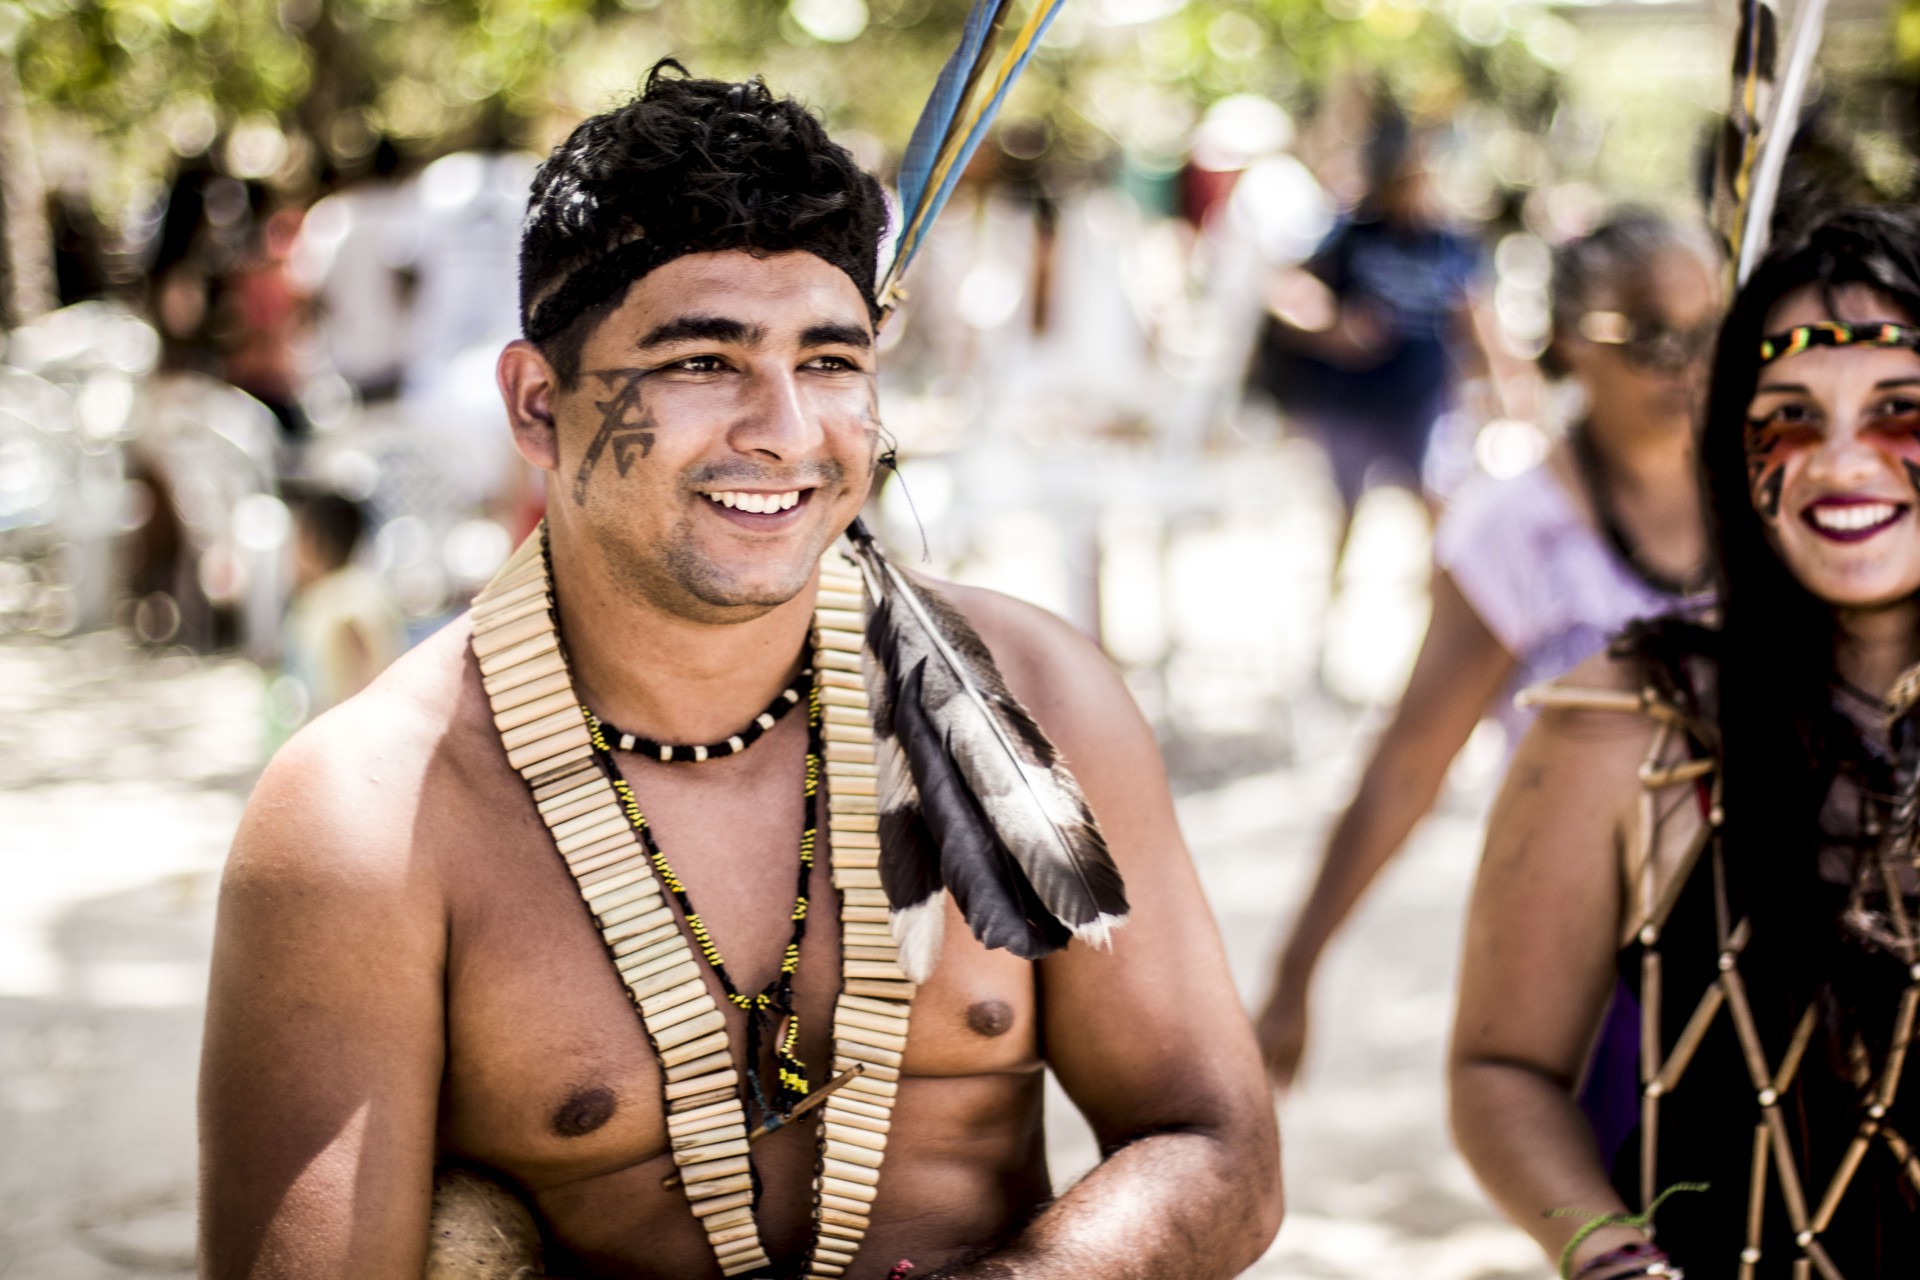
672	573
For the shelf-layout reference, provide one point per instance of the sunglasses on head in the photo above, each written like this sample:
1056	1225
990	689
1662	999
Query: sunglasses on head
1649	344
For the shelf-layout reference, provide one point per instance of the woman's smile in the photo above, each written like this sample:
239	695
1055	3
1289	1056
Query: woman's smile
1852	517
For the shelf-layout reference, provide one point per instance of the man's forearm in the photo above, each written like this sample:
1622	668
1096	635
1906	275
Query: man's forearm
1185	1205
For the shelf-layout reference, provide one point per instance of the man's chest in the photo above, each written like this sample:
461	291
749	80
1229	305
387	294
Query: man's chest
549	1074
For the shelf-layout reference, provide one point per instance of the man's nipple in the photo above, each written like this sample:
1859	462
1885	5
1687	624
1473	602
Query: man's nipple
989	1018
584	1111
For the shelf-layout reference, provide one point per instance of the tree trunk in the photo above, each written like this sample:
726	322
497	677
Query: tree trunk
26	242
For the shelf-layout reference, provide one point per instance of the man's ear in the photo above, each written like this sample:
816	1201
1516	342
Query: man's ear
528	386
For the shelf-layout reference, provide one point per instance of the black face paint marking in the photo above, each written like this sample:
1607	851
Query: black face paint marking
1766	467
1770	486
583	1112
619	427
624	445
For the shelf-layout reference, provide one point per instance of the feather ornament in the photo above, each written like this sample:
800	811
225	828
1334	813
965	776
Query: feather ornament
966	97
910	852
1768	90
1016	844
951	91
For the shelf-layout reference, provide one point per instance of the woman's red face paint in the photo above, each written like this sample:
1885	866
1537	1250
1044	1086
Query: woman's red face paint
1772	439
1895	430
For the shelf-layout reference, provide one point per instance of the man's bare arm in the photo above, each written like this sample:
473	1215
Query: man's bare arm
321	1069
1542	932
1149	1039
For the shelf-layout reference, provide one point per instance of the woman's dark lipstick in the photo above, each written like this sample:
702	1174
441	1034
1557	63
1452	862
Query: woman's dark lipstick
1851	517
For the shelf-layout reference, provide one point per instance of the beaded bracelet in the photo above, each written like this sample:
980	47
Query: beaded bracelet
1642	1221
1642	1251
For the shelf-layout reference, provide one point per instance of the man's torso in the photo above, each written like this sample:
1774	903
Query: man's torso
549	1078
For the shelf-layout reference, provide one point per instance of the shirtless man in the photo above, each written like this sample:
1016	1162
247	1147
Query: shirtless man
404	975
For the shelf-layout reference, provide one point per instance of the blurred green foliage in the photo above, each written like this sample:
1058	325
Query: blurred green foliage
143	79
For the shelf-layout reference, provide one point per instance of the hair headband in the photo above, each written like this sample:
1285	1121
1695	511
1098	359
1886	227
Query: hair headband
605	279
1830	333
595	283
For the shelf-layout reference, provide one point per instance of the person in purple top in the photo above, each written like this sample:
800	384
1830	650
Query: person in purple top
1533	573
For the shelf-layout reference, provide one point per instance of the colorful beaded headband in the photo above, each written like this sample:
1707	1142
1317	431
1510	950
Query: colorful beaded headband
1829	333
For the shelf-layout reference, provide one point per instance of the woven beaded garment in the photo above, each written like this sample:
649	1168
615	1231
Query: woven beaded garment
1782	1175
548	741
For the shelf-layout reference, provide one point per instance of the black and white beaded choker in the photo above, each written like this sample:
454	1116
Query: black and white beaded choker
678	753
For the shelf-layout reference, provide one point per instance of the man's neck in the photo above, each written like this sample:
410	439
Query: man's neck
661	674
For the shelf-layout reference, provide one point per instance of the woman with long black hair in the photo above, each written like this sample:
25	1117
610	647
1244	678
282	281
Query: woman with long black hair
1727	818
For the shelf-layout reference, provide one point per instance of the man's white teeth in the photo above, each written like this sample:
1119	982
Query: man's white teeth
1849	518
759	503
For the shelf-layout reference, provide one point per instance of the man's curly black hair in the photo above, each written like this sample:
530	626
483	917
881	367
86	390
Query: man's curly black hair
689	166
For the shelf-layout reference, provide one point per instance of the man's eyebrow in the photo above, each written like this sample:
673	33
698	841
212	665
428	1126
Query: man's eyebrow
836	335
702	329
1768	388
1888	384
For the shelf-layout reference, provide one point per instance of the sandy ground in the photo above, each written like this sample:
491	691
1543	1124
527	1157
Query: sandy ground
122	776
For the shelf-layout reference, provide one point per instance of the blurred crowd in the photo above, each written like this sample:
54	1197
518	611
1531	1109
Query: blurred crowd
265	422
263	414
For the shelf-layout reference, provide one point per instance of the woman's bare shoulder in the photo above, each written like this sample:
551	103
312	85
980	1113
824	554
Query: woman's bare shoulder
1593	728
1606	694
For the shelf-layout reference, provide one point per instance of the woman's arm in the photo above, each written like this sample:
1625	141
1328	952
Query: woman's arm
1460	669
1541	940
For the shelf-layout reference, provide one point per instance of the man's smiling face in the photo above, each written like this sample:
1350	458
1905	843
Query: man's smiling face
722	431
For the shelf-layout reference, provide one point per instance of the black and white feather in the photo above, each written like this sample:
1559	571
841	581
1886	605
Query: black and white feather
974	800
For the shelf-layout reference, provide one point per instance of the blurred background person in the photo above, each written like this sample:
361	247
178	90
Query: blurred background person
357	253
1367	341
468	207
342	626
1534	573
262	317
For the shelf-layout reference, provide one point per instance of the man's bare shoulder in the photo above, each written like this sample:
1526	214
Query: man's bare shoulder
1076	694
352	793
1061	675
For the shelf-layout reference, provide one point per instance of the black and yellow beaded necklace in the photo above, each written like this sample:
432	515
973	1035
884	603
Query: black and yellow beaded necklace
771	1017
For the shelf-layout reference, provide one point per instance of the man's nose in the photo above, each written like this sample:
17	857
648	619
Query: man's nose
777	421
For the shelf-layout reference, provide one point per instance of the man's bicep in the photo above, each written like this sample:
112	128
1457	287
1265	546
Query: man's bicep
1149	1033
321	1067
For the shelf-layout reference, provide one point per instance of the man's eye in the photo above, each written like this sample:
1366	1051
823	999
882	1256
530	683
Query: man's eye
833	364
700	364
1904	408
